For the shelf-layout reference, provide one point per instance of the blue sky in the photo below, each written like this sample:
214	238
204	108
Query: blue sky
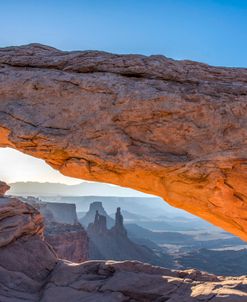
213	32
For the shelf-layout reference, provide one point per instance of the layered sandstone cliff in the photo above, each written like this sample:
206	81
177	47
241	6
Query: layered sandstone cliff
25	258
176	129
70	241
54	211
61	229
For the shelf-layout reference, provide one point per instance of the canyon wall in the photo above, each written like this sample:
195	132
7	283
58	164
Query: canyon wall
70	242
63	212
61	229
30	271
25	258
176	129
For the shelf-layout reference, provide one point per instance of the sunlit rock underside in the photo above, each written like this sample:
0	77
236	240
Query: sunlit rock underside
176	129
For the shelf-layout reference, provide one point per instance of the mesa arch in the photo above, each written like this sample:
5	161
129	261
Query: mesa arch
176	129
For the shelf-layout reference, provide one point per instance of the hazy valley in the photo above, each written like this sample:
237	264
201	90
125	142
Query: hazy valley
155	232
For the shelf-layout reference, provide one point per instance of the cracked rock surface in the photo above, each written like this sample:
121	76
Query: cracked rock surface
176	129
130	281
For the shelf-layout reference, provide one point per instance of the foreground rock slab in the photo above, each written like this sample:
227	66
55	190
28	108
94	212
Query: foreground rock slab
138	282
176	129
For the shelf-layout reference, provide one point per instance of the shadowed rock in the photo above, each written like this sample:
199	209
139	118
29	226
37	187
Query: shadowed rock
70	242
119	226
109	281
115	244
25	259
61	229
96	207
176	129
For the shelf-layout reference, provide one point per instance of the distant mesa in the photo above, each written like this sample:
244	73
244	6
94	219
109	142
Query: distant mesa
96	207
62	230
54	211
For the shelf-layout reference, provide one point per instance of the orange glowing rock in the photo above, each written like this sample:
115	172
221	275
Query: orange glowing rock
176	129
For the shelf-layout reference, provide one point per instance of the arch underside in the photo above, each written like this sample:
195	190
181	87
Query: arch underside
175	129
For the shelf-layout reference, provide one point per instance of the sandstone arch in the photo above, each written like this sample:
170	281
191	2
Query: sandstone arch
176	129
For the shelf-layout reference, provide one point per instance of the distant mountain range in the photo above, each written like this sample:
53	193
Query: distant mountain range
134	203
86	192
149	207
83	189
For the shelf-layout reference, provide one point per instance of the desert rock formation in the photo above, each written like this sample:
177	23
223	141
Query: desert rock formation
109	281
53	211
115	244
176	129
61	229
70	242
26	260
89	217
30	271
63	212
119	229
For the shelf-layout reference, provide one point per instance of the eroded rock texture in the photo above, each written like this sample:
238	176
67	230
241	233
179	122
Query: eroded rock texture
131	281
30	271
70	242
61	229
25	259
176	129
